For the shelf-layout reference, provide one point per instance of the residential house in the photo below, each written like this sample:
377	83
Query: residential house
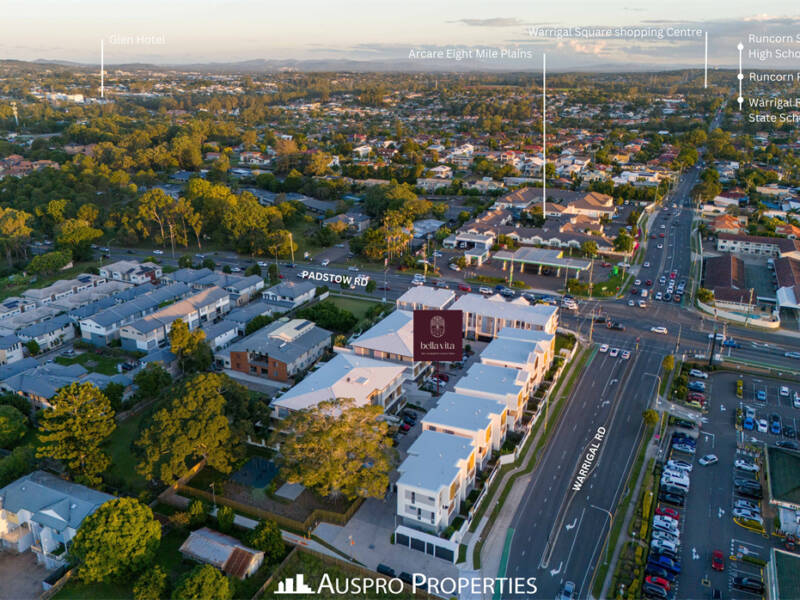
294	293
10	349
220	334
222	551
392	339
278	351
508	385
435	478
132	271
153	330
49	334
353	221
62	288
481	420
365	380
42	513
525	349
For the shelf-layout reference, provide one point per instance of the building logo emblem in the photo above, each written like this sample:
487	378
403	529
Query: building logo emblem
294	585
437	326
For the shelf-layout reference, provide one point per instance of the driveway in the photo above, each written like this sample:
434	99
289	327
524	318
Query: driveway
21	576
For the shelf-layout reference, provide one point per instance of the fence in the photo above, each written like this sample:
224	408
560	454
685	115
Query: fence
56	587
317	516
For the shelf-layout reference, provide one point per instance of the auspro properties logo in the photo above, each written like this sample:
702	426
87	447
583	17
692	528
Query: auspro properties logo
370	587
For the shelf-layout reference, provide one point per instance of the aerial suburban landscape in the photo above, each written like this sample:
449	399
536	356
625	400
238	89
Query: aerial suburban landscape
483	301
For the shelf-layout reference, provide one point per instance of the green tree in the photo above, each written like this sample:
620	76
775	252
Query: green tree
705	296
190	347
75	429
272	271
33	347
253	269
225	516
21	461
668	364
13	426
209	263
371	286
267	537
152	380
151	585
650	417
116	541
589	248
194	425
14	231
198	512
623	242
337	449
49	262
77	235
185	261
204	582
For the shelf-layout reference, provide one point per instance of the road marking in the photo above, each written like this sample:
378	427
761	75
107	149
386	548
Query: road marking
554	572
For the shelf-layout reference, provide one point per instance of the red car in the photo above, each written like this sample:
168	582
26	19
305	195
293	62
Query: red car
605	264
649	282
443	377
659	581
717	560
464	287
652	237
660	235
667	512
404	427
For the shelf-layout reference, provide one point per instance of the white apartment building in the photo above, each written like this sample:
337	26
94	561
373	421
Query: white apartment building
481	420
435	478
525	349
510	386
422	297
485	317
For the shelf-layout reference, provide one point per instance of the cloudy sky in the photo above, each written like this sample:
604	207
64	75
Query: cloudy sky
233	30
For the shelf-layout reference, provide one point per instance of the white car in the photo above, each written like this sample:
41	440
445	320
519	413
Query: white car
659	545
613	352
720	337
158	252
744	465
631	303
666	536
353	268
784	391
762	426
658	296
603	348
437	254
625	355
747	505
676	474
743	513
235	270
664	521
454	267
698	373
485	291
660	246
637	283
261	263
646	264
660	329
708	459
679	483
796	401
680	465
325	262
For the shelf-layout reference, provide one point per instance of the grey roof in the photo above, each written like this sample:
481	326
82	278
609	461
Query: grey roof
188	275
7	341
53	502
269	341
291	289
15	368
49	326
464	412
170	313
164	355
139	305
44	381
432	461
87	310
213	330
250	311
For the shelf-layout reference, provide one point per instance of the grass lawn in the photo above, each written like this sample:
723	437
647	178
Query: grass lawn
358	307
123	461
107	365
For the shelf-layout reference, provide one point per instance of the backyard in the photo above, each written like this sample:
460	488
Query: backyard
107	365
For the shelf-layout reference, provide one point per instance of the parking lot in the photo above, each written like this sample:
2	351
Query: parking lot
706	520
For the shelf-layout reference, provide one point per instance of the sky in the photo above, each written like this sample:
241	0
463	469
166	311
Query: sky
181	31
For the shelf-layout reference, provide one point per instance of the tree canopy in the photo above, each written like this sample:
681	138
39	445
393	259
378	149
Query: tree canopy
337	448
118	540
204	582
190	347
193	426
75	429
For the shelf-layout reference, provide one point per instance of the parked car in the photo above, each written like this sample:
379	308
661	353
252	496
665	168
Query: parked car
697	386
567	591
787	444
603	348
668	512
762	426
745	465
749	423
743	513
698	373
747	504
751	584
613	352
655	591
680	465
784	391
775	424
464	287
669	497
656	580
657	571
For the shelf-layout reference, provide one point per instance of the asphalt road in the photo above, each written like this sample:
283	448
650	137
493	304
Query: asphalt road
558	531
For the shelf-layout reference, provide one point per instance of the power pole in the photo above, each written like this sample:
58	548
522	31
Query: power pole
591	325
291	245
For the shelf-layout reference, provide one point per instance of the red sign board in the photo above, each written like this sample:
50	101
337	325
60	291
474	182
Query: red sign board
438	335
